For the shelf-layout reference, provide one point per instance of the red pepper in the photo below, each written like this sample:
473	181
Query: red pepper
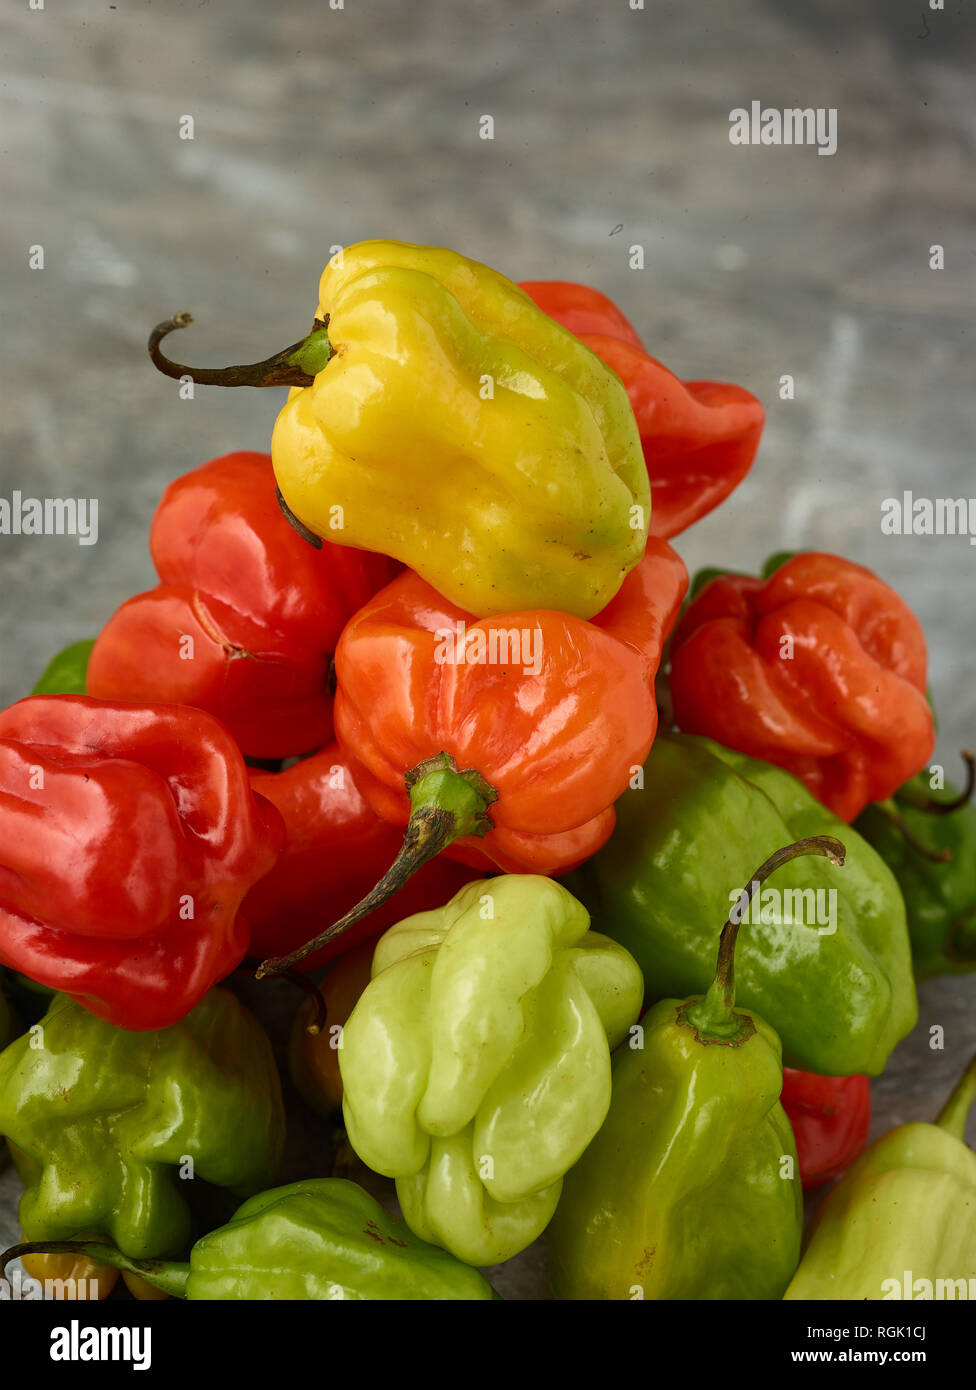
335	849
502	761
820	668
246	615
129	836
831	1117
699	437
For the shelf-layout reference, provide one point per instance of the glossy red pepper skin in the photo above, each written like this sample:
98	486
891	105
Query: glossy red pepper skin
262	609
558	746
336	847
128	836
699	437
831	1119
820	668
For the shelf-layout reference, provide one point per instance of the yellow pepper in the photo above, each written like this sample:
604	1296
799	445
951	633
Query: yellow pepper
438	416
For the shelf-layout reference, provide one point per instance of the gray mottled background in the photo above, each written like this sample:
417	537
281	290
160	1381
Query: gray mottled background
315	127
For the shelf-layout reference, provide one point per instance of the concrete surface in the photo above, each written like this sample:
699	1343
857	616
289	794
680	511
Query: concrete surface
314	127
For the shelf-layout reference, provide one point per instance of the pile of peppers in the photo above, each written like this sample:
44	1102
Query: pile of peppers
598	902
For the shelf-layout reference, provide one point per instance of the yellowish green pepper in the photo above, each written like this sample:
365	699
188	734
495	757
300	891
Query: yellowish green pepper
476	1064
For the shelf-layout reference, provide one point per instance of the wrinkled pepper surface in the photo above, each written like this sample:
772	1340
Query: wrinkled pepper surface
321	1239
336	847
940	894
839	993
439	416
830	1117
104	1121
476	1064
690	1190
246	616
819	668
506	741
699	437
129	836
902	1223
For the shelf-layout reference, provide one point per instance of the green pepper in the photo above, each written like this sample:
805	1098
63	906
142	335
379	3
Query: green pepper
322	1239
691	1189
476	1063
113	1127
902	1222
66	673
839	994
928	839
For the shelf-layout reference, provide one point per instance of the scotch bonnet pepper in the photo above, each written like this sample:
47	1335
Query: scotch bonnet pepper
321	1239
830	1117
439	416
819	668
826	959
476	1063
115	1131
690	1189
503	741
928	838
902	1223
130	835
699	437
246	616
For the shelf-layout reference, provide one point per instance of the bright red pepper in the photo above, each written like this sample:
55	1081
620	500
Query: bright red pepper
246	615
129	836
699	437
511	763
336	847
820	668
831	1118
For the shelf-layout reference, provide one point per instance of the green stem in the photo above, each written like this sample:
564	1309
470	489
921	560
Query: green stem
713	1016
446	805
297	365
955	1113
168	1275
909	795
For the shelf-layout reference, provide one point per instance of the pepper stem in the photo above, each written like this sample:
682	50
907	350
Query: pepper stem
713	1016
909	795
168	1275
955	1113
445	806
893	816
297	365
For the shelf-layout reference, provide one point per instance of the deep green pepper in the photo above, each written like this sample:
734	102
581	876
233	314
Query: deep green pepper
691	1189
840	995
940	892
322	1239
902	1222
66	673
113	1129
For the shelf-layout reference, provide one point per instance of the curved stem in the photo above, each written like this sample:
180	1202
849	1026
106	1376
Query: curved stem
293	521
446	805
250	965
955	1113
168	1275
895	818
714	1013
297	365
911	796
